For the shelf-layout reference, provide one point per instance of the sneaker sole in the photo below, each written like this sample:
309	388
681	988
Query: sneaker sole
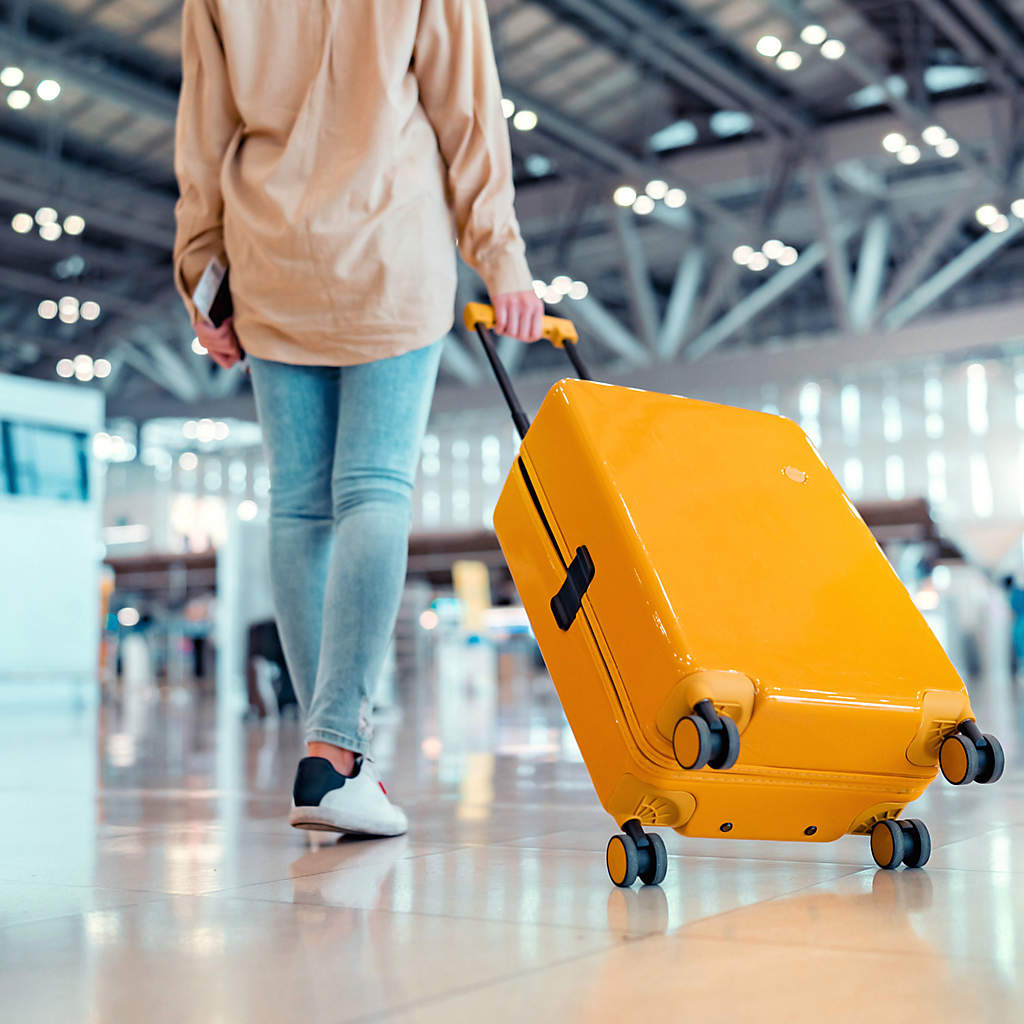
307	819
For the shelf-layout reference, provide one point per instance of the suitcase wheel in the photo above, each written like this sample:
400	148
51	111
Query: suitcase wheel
900	842
706	738
623	861
994	761
968	755
636	854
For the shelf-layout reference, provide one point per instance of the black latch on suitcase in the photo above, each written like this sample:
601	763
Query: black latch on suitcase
566	603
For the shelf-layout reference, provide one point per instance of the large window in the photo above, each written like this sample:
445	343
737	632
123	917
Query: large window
44	462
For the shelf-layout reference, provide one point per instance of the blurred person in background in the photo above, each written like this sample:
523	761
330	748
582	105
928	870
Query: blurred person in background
330	153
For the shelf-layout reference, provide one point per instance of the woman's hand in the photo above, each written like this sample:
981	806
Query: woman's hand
518	315
221	342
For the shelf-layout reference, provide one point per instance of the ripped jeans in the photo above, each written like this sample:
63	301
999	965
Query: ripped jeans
343	445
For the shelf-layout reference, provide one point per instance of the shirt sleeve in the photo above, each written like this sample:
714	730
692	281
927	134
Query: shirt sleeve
207	123
454	65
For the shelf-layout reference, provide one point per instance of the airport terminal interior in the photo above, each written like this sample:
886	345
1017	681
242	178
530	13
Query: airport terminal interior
803	217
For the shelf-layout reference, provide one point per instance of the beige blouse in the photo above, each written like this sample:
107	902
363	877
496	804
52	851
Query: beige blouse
333	150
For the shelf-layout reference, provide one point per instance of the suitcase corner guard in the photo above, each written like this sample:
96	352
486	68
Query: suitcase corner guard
578	576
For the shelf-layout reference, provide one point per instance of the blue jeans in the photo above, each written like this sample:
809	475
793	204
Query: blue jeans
342	444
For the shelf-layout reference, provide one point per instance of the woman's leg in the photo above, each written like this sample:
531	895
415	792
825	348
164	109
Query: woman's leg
382	417
298	410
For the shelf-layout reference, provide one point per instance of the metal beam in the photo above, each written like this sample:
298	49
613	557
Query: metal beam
643	304
86	72
925	254
951	274
871	267
862	70
837	265
608	154
596	320
681	303
658	43
989	27
953	28
782	282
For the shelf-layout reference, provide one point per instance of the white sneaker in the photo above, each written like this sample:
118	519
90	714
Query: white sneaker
324	800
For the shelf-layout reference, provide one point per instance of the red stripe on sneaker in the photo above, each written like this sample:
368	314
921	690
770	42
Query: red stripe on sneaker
382	789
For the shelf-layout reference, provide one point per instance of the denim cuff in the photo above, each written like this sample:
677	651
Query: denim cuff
338	739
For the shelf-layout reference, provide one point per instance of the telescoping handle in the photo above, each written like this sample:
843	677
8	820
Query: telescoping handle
561	333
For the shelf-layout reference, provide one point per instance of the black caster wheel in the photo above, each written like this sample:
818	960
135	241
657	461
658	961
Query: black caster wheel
888	846
959	760
728	744
655	860
993	760
691	742
917	841
623	861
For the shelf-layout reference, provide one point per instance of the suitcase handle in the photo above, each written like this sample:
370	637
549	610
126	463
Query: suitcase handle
561	333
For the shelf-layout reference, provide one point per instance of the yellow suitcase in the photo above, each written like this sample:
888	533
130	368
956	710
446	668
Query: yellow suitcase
733	652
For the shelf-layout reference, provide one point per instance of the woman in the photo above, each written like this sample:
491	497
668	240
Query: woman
331	152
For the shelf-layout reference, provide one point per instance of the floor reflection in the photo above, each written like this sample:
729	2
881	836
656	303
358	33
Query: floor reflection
147	856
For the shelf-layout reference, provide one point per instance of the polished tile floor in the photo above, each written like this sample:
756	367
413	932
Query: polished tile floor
147	874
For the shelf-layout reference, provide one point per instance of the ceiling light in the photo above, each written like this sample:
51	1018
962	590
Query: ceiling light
758	262
562	284
508	108
84	370
624	195
987	214
65	368
1017	208
90	310
772	248
18	100
579	290
909	155
188	461
221	430
539	287
1000	224
48	90
47	309
894	142
205	431
198	347
789	60
948	148
787	257
769	46
675	197
742	253
657	189
248	510
22	223
525	120
190	428
643	205
934	134
45	215
833	49
69	316
813	35
11	76
102	368
68	302
50	232
552	296
74	225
